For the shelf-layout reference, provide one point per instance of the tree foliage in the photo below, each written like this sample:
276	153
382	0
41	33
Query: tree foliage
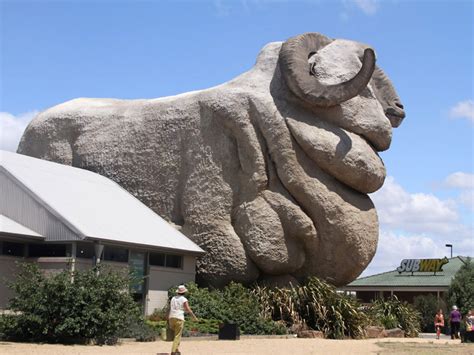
461	290
55	309
428	306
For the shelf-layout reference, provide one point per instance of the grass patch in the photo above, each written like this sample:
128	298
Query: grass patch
434	347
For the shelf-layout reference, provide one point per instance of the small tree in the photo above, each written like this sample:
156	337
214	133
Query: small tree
52	308
427	306
461	290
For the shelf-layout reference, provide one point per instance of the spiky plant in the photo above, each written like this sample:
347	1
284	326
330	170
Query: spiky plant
393	313
315	304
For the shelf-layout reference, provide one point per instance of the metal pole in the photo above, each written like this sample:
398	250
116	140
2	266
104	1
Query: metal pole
73	260
451	247
98	249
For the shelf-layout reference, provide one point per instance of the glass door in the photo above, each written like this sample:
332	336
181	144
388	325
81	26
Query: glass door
137	269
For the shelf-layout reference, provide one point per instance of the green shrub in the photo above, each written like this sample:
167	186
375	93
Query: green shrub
394	314
201	327
315	304
428	306
461	290
54	309
158	314
9	326
156	325
140	329
144	333
233	304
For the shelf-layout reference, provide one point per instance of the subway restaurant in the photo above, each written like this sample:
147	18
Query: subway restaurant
414	277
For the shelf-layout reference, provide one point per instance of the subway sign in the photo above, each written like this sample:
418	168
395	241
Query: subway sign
422	265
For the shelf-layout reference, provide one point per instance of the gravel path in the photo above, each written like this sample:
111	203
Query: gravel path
261	346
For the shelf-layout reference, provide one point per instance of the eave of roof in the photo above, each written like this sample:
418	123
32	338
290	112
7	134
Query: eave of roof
9	226
92	205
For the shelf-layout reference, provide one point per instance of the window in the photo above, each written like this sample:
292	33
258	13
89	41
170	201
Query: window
174	261
166	260
54	250
13	249
157	259
85	251
115	254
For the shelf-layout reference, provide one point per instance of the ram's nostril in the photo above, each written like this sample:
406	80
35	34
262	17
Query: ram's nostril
399	105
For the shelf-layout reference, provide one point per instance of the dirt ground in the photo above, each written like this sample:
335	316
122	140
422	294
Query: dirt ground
272	346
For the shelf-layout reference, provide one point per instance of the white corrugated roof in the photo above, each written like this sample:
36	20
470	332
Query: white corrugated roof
9	226
93	205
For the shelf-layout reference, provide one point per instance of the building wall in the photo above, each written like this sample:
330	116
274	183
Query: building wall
409	296
161	279
83	264
404	296
8	269
20	206
52	265
366	296
116	266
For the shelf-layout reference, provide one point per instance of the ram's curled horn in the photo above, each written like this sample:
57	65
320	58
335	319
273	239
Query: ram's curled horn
294	65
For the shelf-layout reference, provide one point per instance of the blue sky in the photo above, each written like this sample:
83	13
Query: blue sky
53	51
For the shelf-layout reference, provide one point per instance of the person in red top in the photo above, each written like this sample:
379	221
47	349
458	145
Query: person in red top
439	322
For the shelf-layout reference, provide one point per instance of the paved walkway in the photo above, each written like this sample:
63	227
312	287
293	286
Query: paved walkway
433	336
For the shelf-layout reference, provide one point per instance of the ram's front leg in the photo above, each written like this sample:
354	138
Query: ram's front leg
275	234
226	259
207	221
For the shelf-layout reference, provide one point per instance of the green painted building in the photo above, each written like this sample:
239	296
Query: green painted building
407	284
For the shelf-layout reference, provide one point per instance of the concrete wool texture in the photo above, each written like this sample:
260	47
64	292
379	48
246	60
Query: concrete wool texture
271	187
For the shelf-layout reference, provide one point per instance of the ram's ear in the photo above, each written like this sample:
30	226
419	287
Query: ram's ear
299	76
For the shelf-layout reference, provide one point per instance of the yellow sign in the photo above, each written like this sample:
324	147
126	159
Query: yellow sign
422	265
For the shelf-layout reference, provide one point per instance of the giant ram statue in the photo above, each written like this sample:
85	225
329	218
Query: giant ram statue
269	172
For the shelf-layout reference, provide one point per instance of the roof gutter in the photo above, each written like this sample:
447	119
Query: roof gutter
145	246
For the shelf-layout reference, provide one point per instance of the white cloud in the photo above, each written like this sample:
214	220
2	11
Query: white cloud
465	183
369	7
460	180
415	213
12	128
463	109
419	225
467	199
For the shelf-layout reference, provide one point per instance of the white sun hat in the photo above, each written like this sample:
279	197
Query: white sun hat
181	289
